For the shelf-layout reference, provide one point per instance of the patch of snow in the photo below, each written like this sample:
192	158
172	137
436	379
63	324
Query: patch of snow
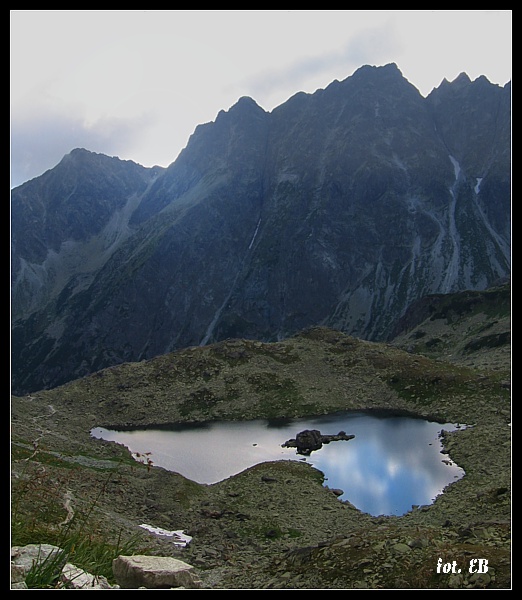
255	233
181	539
456	167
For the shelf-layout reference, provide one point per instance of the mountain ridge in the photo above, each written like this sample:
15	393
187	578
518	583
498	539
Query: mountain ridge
337	208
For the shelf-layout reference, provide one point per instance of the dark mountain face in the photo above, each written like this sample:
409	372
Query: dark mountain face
337	208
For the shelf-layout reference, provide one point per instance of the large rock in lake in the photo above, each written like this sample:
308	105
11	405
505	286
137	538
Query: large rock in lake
311	439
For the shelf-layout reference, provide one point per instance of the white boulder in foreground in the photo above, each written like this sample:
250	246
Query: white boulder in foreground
153	572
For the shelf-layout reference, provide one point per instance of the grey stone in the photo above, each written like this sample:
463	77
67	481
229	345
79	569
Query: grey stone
25	557
17	573
153	572
401	548
74	578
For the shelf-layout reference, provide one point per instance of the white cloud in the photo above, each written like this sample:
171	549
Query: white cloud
368	46
38	141
137	83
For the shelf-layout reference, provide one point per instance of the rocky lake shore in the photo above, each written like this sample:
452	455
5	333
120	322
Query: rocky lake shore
276	525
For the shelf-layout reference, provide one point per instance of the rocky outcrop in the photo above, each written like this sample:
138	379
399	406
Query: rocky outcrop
309	440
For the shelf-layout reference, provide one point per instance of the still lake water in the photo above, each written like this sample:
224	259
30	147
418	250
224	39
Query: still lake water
392	463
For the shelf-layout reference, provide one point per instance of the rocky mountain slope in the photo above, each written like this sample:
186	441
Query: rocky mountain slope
338	208
275	525
469	328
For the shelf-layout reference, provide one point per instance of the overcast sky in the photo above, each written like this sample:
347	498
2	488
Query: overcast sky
135	84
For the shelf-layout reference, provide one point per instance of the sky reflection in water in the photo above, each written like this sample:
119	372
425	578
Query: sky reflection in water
392	463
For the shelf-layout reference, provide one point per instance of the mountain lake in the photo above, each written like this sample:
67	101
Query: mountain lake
392	463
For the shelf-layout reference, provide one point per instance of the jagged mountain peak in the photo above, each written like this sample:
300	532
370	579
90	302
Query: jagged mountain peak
82	155
463	83
381	77
80	162
246	103
462	79
79	152
385	77
245	107
389	69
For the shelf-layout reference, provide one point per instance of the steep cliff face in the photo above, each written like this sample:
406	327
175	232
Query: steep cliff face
337	208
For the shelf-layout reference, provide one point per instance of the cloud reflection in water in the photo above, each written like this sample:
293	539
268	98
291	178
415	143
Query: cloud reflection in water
392	463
